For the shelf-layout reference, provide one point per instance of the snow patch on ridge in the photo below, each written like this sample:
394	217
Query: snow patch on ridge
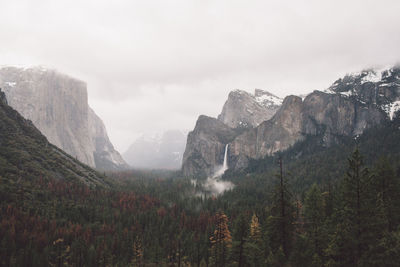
11	84
373	76
266	99
392	108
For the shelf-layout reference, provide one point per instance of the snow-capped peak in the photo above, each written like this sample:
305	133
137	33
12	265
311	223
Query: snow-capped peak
371	75
266	98
377	87
263	98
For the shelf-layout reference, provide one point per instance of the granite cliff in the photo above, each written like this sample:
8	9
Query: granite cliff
245	110
58	106
206	143
352	104
205	146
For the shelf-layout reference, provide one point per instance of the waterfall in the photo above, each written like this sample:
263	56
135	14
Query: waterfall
214	184
224	166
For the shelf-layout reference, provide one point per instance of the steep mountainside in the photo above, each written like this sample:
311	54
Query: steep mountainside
351	105
58	106
282	131
205	146
244	110
158	151
25	153
206	143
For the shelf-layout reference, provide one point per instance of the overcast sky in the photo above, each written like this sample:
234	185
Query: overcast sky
157	65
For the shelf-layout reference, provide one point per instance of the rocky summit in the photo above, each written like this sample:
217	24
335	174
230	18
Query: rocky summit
245	110
58	106
352	104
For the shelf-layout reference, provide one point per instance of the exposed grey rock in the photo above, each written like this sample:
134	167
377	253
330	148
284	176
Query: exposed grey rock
105	156
379	88
245	110
58	106
276	134
205	146
338	114
157	151
351	105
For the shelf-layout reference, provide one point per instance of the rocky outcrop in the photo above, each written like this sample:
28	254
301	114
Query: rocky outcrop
245	110
205	146
373	88
351	105
104	154
157	151
276	134
58	106
337	115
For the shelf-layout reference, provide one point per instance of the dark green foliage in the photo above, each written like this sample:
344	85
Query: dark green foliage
25	153
240	234
281	219
314	223
387	188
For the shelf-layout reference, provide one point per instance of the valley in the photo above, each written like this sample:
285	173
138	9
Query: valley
314	182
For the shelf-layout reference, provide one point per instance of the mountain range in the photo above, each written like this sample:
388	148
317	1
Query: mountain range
252	130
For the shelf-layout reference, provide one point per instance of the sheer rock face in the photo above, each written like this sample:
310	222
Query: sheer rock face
58	106
372	88
276	134
245	110
351	105
105	156
334	114
205	146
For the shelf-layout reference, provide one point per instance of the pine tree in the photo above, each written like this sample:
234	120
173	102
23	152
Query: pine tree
255	229
357	223
314	220
386	252
221	241
137	250
280	222
388	191
254	245
240	234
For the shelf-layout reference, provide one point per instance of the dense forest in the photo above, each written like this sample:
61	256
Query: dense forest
336	206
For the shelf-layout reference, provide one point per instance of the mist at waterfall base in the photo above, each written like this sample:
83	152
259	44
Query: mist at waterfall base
214	185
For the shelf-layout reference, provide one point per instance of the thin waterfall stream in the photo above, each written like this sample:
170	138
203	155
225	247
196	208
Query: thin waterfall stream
214	184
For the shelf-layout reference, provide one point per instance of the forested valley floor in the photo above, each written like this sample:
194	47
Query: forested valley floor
337	206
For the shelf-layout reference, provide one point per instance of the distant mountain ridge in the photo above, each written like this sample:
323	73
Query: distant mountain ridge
352	104
58	106
157	151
